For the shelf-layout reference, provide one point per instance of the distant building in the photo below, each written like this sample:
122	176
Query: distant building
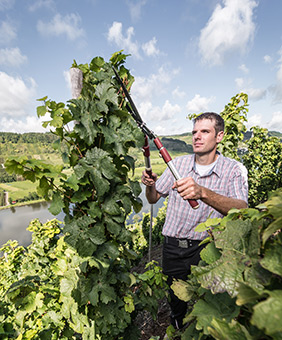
6	198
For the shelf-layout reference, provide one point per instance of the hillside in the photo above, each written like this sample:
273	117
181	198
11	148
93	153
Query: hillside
175	143
33	145
276	134
40	146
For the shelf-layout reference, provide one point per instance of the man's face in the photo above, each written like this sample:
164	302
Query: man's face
205	139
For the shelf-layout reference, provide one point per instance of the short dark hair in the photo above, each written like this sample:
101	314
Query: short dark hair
219	122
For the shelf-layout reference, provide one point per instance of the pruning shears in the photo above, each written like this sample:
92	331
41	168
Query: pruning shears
149	133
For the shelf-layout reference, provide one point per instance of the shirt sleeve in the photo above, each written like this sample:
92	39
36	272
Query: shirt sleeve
238	184
164	183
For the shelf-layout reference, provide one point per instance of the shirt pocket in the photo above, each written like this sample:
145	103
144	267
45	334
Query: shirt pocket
218	186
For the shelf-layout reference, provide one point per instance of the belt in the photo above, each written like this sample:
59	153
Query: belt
181	242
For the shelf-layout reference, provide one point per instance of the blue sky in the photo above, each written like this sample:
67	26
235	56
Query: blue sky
187	56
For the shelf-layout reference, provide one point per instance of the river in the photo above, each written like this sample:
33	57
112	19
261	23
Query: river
15	220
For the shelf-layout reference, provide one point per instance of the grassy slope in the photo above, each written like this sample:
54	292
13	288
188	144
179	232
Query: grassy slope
18	190
157	163
40	151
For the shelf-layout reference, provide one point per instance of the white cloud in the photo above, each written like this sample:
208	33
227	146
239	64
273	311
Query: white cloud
157	113
276	122
245	86
166	112
29	124
244	68
12	56
276	89
116	36
240	82
199	104
230	29
6	4
7	32
126	42
254	120
135	8
67	78
267	59
150	48
59	25
178	94
49	4
255	94
160	130
15	95
145	89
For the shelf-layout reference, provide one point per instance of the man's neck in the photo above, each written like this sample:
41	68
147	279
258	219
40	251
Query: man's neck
206	159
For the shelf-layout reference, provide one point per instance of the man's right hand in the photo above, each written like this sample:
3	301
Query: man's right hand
151	193
148	180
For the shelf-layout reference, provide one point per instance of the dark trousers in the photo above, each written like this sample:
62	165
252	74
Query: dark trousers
178	256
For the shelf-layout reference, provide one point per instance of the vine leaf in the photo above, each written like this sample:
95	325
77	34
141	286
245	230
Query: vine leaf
264	312
272	259
218	306
57	204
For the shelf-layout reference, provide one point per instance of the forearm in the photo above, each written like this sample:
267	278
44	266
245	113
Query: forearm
152	195
221	203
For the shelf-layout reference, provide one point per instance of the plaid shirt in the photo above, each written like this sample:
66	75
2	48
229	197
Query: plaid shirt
227	178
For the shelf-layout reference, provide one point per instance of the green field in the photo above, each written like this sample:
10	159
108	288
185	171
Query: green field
20	189
157	163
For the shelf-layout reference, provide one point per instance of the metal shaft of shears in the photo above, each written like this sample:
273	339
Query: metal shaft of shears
162	150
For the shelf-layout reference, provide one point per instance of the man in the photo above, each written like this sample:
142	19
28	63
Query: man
217	182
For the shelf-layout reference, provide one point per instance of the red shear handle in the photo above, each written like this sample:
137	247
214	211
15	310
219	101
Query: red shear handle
194	204
166	157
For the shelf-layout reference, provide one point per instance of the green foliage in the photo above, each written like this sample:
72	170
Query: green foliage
264	163
235	292
235	116
29	137
263	155
5	177
32	145
79	285
47	291
95	133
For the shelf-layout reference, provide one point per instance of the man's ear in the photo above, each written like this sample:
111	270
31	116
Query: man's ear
219	136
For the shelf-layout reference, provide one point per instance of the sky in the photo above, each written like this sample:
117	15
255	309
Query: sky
187	56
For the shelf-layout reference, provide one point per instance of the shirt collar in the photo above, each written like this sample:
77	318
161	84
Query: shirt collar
218	166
